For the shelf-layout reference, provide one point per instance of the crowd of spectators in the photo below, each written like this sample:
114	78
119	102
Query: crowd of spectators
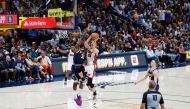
158	27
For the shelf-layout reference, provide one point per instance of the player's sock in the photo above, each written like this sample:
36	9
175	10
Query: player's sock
65	78
94	93
75	94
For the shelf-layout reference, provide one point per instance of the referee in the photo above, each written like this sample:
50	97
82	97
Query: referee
152	99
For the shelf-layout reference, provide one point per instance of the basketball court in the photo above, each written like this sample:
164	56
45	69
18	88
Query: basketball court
115	92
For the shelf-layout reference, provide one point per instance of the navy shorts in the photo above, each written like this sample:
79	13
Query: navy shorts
76	70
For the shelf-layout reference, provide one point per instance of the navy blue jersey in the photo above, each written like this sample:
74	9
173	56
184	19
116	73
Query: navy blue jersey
78	59
151	75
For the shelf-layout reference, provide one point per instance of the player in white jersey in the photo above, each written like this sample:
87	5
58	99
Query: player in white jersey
92	53
69	63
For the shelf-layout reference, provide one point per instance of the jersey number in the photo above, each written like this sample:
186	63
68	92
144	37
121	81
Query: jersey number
154	97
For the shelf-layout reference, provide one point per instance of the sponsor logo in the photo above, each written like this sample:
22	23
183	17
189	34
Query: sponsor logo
111	62
188	54
134	60
39	23
8	19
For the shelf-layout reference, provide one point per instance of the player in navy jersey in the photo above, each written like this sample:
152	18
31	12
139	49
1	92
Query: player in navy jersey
78	74
152	73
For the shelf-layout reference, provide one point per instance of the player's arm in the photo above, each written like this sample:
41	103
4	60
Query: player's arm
142	106
162	102
94	49
86	43
144	100
162	106
63	51
155	73
97	52
145	77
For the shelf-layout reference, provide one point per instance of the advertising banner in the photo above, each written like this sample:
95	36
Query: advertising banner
7	27
188	55
107	62
35	23
8	19
64	19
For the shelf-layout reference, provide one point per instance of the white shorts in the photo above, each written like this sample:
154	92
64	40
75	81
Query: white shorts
90	69
69	66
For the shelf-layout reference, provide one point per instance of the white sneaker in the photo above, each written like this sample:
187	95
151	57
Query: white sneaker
51	77
47	76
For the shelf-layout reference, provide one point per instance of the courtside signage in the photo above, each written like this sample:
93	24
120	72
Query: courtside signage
188	54
134	60
35	23
8	19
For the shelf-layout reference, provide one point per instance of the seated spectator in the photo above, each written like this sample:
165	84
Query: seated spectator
20	67
128	48
9	69
150	54
47	65
102	48
159	52
109	50
171	51
1	68
181	55
1	9
122	47
33	53
54	52
137	48
143	48
29	66
37	68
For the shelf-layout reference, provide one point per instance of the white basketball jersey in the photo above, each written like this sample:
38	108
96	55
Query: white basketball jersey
70	57
91	58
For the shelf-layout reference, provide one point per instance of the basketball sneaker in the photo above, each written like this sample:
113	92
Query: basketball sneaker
78	100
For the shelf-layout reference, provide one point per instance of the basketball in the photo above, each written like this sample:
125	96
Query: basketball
94	36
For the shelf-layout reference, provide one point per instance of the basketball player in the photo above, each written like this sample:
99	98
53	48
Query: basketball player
69	63
152	73
92	53
77	71
152	98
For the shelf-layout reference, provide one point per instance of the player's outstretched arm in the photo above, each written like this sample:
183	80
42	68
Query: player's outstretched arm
86	43
145	77
142	106
162	106
94	49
